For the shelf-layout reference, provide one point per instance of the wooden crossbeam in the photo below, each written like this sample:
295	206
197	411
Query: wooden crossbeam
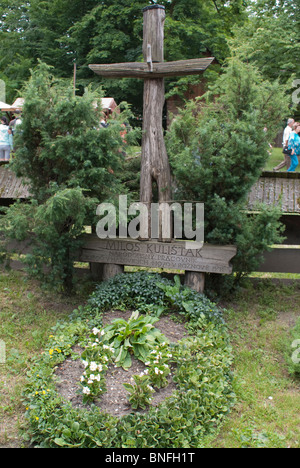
159	70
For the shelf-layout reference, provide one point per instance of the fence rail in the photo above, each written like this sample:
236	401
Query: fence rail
282	259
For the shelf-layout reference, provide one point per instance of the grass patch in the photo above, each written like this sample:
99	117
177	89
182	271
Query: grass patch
261	320
275	158
27	314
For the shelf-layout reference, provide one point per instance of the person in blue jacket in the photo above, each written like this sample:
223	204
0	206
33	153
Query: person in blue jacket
6	140
294	147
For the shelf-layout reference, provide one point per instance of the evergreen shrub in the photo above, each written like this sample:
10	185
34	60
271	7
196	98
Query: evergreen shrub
70	165
218	146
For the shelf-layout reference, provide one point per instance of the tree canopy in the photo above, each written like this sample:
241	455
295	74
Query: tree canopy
59	32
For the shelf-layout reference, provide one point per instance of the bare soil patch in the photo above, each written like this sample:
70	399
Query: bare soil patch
114	401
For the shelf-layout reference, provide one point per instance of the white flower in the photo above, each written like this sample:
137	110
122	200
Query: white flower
95	331
92	377
93	366
90	382
100	368
98	377
85	363
156	370
82	379
86	390
102	333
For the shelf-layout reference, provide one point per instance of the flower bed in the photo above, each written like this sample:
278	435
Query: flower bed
202	362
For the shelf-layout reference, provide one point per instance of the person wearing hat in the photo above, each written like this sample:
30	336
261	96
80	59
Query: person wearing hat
6	140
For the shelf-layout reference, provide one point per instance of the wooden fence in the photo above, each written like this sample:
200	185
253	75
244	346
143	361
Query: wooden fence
282	259
281	189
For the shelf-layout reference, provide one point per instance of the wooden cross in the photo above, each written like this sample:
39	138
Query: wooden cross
155	164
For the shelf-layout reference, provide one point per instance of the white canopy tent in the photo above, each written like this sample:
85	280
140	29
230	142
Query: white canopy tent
6	107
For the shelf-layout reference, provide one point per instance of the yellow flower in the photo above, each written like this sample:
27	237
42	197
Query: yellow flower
43	392
51	351
37	418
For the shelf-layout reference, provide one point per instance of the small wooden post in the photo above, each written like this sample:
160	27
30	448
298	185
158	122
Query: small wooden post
195	280
110	271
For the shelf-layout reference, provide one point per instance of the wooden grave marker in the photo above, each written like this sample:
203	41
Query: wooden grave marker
155	165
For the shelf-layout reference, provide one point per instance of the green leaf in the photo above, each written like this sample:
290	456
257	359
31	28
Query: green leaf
127	362
61	442
128	387
119	356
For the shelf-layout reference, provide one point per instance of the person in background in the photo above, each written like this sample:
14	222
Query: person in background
294	147
13	124
286	134
106	114
6	140
293	133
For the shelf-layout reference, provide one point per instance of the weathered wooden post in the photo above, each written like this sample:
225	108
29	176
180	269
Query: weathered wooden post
155	165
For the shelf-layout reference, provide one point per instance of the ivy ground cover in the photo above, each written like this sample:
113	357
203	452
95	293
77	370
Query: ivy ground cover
201	361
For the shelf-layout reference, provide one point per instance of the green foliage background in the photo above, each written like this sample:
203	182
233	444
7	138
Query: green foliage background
59	32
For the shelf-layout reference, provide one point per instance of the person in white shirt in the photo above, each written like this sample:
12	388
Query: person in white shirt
6	141
286	134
